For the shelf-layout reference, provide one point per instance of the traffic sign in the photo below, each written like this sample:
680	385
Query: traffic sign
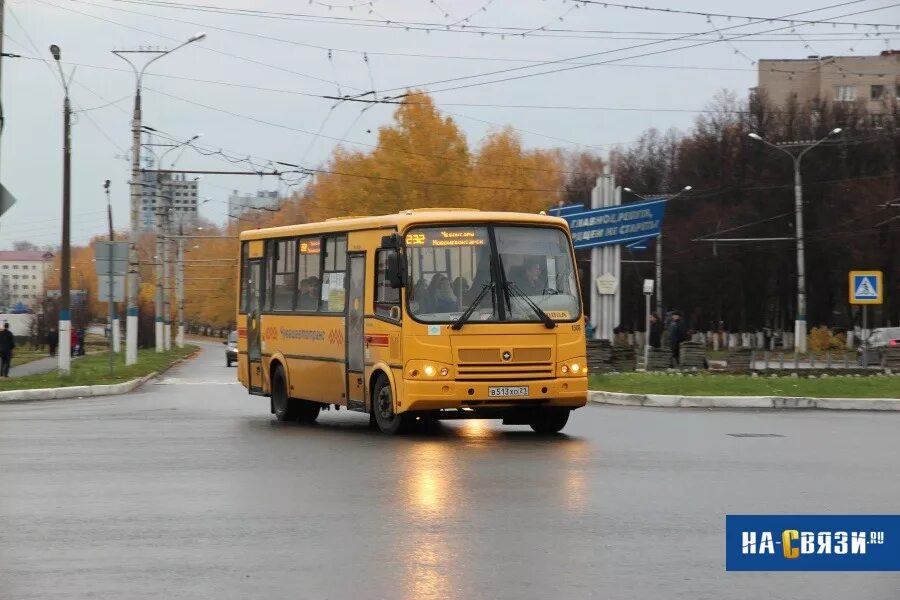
119	263
6	199
866	287
118	285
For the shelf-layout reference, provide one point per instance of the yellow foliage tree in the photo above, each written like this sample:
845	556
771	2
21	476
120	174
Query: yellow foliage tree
422	159
503	173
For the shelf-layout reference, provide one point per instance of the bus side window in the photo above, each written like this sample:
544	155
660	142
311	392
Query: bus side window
245	277
333	276
309	274
387	298
268	272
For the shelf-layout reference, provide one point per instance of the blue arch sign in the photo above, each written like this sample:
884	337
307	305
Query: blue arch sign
614	224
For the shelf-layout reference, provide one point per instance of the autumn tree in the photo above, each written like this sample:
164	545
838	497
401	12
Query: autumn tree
507	177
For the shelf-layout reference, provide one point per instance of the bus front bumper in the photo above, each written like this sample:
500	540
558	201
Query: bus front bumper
420	395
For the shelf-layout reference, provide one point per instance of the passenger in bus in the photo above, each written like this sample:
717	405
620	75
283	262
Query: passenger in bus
309	298
441	294
418	296
460	287
532	283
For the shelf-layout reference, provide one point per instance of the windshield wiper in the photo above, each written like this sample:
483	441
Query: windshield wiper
457	325
548	322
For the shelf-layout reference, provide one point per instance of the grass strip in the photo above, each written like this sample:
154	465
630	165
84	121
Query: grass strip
706	384
94	370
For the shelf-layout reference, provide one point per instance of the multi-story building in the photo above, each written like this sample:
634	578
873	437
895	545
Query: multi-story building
261	200
177	193
873	82
22	276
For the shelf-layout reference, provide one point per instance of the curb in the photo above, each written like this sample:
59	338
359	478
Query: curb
87	391
666	401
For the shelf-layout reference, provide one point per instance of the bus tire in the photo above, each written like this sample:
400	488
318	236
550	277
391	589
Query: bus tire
383	408
307	410
284	407
549	420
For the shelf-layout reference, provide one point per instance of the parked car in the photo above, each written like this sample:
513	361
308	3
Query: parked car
231	354
879	340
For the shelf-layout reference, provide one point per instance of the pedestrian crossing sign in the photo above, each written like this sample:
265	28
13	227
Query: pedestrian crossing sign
866	287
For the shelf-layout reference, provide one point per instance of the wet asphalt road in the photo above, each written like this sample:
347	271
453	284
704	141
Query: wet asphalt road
188	489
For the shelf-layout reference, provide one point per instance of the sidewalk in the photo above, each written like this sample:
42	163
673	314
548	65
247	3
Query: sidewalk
41	365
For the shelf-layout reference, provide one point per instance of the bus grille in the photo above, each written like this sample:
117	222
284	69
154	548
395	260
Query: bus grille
504	372
494	356
484	364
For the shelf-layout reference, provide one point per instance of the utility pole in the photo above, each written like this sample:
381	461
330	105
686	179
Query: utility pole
800	321
167	308
132	318
660	305
179	285
65	323
2	12
109	272
158	337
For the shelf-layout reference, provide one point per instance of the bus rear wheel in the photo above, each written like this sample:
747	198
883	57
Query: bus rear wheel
388	421
549	420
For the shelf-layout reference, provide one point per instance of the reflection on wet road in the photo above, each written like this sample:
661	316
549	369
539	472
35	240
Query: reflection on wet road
188	489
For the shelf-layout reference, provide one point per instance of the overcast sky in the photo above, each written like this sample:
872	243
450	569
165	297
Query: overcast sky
288	53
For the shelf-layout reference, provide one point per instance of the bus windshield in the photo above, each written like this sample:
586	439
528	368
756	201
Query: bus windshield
451	266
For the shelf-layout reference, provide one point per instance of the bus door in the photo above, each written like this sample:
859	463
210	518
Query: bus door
254	333
355	325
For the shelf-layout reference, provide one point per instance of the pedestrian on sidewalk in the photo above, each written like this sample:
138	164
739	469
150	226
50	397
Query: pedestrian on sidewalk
73	342
52	340
7	343
655	331
677	334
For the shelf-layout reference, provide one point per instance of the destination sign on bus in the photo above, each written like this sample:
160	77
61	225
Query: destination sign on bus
443	238
310	246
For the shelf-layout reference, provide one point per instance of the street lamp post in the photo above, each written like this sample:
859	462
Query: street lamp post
800	321
132	318
660	306
65	276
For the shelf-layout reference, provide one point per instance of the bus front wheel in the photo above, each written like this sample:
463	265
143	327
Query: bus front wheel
388	421
284	407
287	408
549	420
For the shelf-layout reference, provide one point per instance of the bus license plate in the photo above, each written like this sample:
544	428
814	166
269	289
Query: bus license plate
495	392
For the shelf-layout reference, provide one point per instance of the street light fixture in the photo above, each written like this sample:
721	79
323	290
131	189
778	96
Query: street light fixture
65	278
132	319
800	321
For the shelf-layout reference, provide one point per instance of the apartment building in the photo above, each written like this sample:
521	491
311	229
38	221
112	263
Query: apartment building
22	276
261	200
872	82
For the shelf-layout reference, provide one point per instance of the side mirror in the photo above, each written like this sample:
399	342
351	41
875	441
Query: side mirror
397	270
392	242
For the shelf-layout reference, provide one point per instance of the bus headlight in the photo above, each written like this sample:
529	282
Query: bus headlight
573	368
421	370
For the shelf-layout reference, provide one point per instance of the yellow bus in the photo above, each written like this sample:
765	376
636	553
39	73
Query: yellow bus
421	315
